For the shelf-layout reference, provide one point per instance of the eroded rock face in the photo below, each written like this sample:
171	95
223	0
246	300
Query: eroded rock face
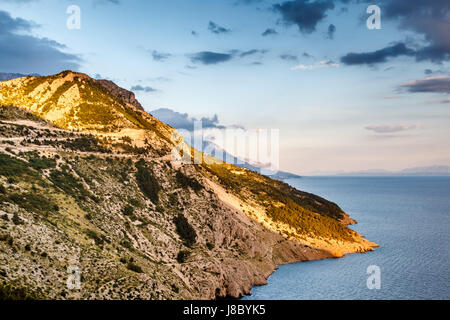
125	95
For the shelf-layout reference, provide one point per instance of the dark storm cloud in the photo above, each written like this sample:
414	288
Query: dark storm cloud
269	32
25	53
378	56
306	14
215	28
437	84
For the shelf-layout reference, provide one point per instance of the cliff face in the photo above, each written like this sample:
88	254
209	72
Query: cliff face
124	95
105	197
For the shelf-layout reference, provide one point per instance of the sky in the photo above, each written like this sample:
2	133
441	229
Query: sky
343	97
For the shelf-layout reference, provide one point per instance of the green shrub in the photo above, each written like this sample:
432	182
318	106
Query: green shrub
147	182
16	220
98	239
182	256
134	267
128	210
185	230
68	183
39	163
186	181
127	244
10	292
32	202
11	167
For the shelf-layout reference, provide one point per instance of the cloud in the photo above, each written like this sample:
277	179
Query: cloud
269	32
437	84
215	28
306	14
95	2
321	64
430	18
237	2
106	2
251	53
160	56
161	79
378	56
331	31
143	89
25	53
391	128
209	57
288	57
443	101
19	1
183	121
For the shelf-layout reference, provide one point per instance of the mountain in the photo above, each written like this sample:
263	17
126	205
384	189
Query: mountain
123	94
214	150
424	171
8	76
416	171
90	182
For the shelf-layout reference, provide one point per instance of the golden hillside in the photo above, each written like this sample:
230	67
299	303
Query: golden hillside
86	179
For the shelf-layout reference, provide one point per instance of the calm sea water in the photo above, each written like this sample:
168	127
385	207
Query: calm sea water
408	216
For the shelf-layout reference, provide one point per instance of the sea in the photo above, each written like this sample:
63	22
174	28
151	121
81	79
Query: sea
409	217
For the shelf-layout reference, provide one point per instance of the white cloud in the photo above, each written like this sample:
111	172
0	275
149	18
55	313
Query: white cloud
320	64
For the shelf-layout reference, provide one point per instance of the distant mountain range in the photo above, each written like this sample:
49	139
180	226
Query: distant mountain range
218	152
416	171
8	76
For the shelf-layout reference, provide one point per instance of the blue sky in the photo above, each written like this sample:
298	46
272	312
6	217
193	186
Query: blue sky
386	106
